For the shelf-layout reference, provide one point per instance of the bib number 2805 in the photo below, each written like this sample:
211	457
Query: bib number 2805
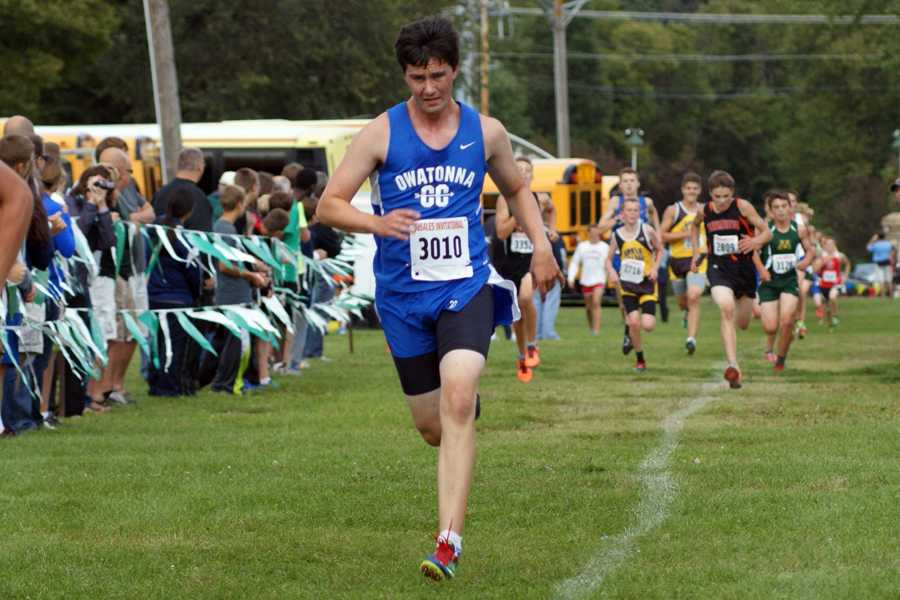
439	250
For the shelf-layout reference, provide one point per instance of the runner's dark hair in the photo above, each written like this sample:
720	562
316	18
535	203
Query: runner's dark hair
771	195
691	177
422	40
720	179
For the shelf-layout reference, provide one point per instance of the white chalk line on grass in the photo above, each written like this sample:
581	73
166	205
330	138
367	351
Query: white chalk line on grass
659	491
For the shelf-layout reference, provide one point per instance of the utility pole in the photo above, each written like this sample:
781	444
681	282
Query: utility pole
896	146
485	59
560	17
165	84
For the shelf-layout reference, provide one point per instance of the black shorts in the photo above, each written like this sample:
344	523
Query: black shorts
469	329
515	271
633	303
739	277
680	267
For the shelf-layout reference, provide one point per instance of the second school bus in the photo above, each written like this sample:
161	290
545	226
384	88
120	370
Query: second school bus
578	189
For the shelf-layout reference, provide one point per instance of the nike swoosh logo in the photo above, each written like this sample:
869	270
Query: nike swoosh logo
464	146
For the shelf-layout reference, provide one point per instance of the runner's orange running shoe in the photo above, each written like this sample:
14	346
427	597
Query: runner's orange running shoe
523	372
532	357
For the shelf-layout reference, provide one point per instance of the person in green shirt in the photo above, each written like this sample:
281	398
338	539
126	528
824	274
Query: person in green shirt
296	231
778	290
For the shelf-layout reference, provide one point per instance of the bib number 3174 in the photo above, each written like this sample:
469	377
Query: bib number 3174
439	250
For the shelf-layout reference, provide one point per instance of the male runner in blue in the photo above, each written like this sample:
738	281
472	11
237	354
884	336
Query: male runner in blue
436	293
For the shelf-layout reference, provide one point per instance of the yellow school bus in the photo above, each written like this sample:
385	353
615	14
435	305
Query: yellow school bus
576	186
265	145
578	189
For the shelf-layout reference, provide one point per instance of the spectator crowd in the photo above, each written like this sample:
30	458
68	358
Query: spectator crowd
106	277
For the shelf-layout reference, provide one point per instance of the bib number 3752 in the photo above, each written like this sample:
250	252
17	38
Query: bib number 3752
439	250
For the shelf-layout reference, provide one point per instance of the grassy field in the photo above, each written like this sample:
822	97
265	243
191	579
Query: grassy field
591	481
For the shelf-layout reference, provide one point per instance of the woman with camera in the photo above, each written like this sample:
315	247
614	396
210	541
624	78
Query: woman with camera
90	203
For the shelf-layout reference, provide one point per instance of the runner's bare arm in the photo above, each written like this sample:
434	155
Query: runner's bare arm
694	229
654	219
764	274
15	216
505	222
503	170
547	205
666	225
612	278
573	265
808	248
656	250
366	153
763	233
608	220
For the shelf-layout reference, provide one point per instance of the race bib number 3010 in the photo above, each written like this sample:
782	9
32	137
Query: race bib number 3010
439	250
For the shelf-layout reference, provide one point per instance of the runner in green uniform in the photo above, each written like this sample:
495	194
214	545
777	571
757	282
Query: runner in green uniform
779	289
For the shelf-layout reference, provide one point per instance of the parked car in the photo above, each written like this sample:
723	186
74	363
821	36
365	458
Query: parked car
864	280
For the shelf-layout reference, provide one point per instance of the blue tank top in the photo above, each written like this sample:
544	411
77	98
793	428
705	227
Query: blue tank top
642	201
439	184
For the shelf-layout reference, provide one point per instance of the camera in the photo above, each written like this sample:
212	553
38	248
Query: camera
104	184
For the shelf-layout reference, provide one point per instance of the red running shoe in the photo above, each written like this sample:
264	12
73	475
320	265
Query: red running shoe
733	377
442	563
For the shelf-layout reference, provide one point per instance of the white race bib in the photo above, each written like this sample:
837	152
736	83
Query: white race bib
724	245
520	244
631	270
439	250
829	276
783	263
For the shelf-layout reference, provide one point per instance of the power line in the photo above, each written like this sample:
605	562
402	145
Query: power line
714	18
638	92
697	58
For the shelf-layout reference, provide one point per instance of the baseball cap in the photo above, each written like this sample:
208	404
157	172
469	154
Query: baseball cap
896	185
227	178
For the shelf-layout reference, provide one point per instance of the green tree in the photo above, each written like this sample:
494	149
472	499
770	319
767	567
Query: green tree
46	43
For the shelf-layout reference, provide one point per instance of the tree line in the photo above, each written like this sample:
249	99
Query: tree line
808	107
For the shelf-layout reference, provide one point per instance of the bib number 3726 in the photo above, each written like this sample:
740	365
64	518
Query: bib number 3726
439	250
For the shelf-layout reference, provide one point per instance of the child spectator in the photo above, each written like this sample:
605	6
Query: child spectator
234	286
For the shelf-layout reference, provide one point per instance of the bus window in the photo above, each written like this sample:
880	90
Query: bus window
573	210
598	205
585	206
490	203
271	160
